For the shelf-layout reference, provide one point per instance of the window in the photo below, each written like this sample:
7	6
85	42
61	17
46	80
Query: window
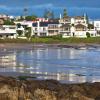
35	34
12	34
35	29
91	34
11	27
42	34
97	24
44	29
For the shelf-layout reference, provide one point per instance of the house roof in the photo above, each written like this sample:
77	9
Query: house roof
65	25
44	24
79	17
80	26
34	24
67	17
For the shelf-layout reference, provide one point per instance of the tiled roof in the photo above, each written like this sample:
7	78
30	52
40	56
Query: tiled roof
65	25
79	17
80	25
67	17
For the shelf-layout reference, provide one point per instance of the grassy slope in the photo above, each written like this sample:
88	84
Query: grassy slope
66	40
53	40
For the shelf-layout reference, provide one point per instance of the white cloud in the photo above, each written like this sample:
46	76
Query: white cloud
43	6
48	5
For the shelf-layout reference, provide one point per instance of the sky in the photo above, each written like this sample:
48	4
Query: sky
37	7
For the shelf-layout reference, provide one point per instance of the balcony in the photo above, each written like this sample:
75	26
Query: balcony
7	31
53	28
40	31
64	21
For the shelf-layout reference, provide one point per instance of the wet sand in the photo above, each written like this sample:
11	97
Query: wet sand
42	45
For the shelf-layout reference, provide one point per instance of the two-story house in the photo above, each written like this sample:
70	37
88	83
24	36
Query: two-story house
75	27
45	28
8	31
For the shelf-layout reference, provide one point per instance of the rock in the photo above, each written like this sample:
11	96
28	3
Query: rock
13	89
41	94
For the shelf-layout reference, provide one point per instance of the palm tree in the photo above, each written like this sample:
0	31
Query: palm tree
64	13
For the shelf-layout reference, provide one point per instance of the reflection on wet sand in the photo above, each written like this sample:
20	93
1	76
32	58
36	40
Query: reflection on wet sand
62	64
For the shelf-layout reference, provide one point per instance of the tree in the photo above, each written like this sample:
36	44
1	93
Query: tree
64	13
18	25
45	14
86	17
52	15
48	14
19	32
88	34
28	32
9	22
21	18
30	18
90	26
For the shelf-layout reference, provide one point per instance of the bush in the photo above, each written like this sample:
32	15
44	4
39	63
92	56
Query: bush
19	32
88	34
9	22
57	37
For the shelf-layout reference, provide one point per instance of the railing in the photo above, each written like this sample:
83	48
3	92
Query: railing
8	31
64	31
53	28
41	31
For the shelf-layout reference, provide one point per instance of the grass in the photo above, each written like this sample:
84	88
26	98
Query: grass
14	41
66	40
49	40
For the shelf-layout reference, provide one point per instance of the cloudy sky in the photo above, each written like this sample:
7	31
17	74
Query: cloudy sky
37	7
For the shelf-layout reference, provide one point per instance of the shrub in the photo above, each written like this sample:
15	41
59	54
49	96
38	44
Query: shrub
88	34
19	32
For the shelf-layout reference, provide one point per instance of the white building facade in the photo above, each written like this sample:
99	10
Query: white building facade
45	28
97	26
76	27
8	31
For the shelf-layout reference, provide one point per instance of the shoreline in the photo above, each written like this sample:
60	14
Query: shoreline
45	45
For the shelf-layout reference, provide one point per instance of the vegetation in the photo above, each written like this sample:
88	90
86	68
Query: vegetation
19	32
48	14
87	19
28	32
55	39
88	34
9	22
66	40
30	18
18	25
90	26
64	13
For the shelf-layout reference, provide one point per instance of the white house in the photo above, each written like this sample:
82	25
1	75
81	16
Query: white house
75	27
8	31
45	28
22	26
97	26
